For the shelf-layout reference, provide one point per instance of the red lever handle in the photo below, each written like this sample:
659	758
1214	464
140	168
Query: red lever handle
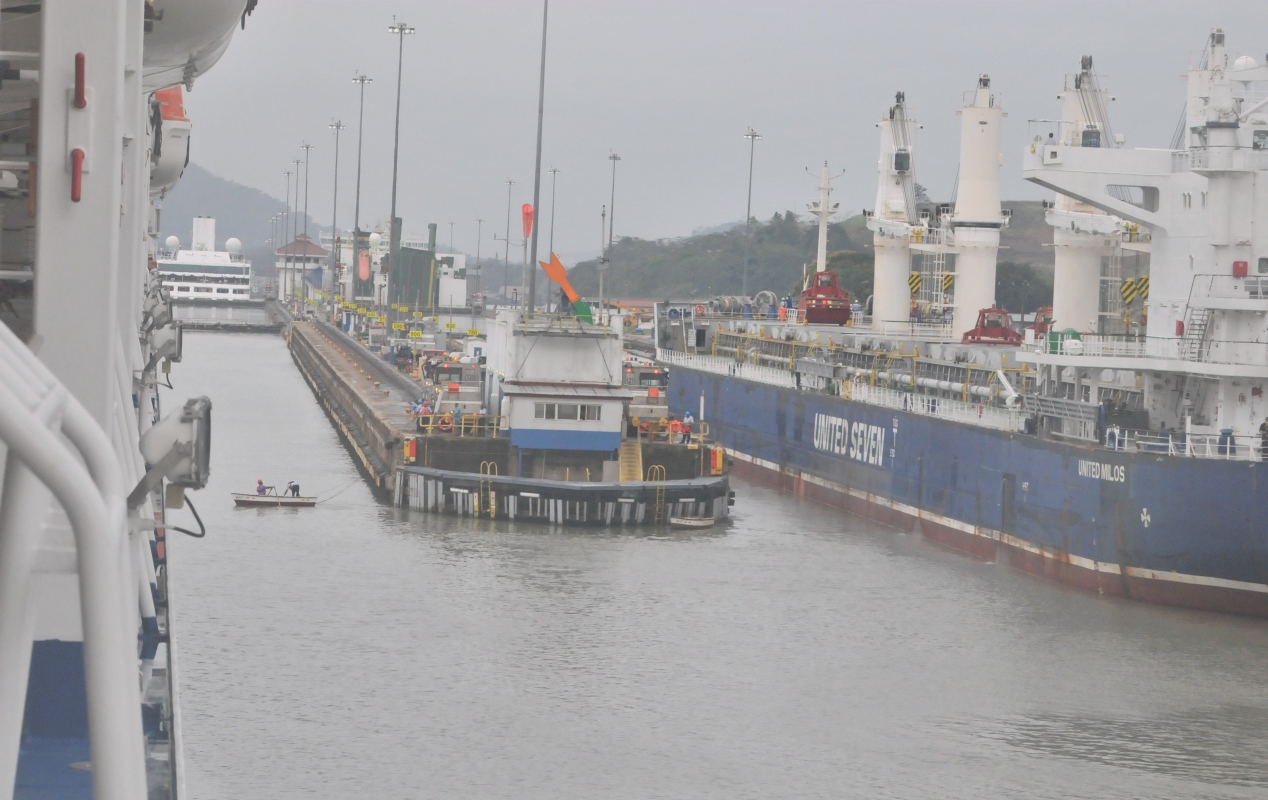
81	97
76	174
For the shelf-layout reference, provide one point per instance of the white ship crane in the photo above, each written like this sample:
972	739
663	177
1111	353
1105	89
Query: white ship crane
893	221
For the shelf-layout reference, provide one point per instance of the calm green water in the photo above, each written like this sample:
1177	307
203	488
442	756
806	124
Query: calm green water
354	650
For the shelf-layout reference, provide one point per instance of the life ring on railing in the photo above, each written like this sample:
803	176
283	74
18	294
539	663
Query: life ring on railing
700	309
446	423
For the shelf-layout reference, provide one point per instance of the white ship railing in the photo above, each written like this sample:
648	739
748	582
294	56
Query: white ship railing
919	330
1229	287
931	406
82	474
730	367
1214	351
1223	447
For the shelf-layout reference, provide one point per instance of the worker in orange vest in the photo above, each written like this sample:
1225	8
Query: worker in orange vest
675	430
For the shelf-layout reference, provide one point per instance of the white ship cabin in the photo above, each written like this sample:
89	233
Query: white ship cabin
202	272
298	263
558	383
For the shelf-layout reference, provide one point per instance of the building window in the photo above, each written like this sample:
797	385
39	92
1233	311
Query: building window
239	291
571	411
222	291
182	288
202	288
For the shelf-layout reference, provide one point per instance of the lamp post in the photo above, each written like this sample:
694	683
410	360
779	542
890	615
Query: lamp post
554	173
752	137
531	266
286	227
400	30
335	126
612	206
506	258
303	283
360	80
295	221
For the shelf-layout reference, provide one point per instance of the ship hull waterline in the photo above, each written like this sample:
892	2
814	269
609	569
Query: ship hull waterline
1177	531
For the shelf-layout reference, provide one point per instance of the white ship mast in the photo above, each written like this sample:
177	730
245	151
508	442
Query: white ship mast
893	222
821	209
978	217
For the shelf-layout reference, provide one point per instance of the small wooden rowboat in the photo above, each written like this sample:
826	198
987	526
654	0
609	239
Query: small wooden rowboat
272	501
691	522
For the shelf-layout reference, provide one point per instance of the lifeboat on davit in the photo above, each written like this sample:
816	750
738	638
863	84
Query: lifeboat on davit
823	302
993	327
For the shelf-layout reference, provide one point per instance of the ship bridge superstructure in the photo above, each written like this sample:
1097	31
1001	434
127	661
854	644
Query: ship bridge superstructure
1203	204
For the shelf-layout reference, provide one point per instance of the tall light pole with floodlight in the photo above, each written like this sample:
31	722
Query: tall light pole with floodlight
335	126
303	284
752	137
360	80
400	30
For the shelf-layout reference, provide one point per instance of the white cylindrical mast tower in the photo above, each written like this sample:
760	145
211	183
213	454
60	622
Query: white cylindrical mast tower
978	219
1082	235
824	211
892	219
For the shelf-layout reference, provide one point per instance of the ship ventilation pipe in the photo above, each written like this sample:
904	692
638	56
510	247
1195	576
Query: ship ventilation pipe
892	220
978	219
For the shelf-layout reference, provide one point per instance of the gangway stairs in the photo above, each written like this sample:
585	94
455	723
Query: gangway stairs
630	460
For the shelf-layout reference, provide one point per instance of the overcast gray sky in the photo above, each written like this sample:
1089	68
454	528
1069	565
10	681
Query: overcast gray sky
671	86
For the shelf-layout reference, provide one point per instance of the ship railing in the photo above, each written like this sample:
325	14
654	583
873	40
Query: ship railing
474	425
919	330
1214	351
1219	446
730	367
55	450
1229	287
538	322
979	414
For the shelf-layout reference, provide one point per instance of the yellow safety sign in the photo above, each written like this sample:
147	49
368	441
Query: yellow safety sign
1142	287
947	279
1128	290
450	325
415	334
473	331
418	315
914	282
398	326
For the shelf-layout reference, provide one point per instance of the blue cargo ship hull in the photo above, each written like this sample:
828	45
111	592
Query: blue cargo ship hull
1183	531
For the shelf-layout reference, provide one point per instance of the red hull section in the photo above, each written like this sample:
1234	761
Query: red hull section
1052	565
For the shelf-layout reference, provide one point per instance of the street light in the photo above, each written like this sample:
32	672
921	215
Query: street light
295	222
506	259
400	30
303	284
554	174
752	137
335	126
361	80
286	228
531	266
612	206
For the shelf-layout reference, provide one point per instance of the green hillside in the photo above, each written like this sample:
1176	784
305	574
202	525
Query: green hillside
711	264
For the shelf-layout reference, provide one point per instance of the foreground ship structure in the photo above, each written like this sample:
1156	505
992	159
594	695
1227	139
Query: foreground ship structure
93	463
1118	448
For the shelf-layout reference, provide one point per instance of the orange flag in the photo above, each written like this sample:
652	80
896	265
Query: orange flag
556	272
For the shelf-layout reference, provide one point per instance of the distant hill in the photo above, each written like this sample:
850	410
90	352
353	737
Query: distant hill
711	263
240	212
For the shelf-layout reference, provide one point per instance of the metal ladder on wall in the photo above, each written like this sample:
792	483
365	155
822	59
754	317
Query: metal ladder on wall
630	460
1197	323
656	473
486	499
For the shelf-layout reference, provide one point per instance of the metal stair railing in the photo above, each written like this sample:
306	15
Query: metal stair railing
84	478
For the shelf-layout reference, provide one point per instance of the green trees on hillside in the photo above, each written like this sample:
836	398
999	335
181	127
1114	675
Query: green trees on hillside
780	249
